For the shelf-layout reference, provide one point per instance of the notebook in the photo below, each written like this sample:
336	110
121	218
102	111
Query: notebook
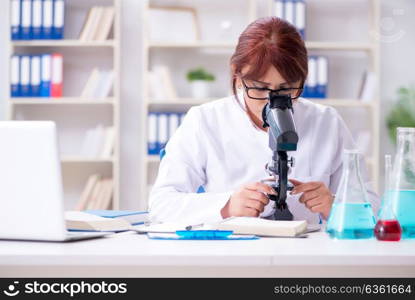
263	227
81	221
239	225
131	216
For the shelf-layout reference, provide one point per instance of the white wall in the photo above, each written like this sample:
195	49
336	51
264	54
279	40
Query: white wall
397	57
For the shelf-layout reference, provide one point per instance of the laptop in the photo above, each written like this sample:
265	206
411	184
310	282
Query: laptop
31	193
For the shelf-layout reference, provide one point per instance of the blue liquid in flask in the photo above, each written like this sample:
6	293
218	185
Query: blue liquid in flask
405	212
351	221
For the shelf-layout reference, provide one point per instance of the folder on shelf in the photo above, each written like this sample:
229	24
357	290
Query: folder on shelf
36	19
162	130
152	134
89	186
15	19
300	15
104	24
15	76
45	82
310	88
322	77
279	8
25	75
26	31
35	73
57	75
58	19
289	11
47	19
173	123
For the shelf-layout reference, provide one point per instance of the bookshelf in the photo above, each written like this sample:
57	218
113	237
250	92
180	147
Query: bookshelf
74	114
350	52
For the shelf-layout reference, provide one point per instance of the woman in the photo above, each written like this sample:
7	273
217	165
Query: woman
223	147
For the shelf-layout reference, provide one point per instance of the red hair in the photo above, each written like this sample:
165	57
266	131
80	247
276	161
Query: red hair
270	41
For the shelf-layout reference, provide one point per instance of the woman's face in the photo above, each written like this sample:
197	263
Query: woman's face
272	79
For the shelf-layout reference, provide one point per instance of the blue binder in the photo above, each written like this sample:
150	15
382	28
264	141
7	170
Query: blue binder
322	77
58	19
15	76
152	134
26	29
15	19
25	75
35	75
45	78
47	19
36	19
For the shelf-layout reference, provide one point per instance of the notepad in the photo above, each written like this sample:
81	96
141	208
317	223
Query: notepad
263	227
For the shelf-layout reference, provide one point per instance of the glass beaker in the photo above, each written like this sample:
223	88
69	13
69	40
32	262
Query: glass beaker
351	216
403	182
387	228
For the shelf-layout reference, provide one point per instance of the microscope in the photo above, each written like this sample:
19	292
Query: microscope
278	116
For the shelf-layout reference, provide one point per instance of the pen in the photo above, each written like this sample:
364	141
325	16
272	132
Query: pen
190	227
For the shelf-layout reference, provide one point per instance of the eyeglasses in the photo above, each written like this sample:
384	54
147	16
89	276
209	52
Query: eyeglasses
263	93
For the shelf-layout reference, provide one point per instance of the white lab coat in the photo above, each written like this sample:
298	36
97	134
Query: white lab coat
218	147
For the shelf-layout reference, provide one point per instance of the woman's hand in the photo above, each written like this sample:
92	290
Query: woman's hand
316	196
248	201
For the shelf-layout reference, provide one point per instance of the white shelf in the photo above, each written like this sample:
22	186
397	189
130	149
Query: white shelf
328	101
61	101
63	43
153	158
311	45
79	159
352	46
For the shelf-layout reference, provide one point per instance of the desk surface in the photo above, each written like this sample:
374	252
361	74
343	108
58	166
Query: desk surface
130	254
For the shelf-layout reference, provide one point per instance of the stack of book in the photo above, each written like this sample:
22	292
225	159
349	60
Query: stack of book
37	19
37	75
98	142
161	126
317	80
97	193
99	84
98	24
161	87
293	11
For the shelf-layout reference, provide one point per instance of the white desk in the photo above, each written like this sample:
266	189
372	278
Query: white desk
132	255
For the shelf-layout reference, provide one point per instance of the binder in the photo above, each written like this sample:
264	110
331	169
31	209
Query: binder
45	75
36	19
15	19
312	78
26	33
57	75
289	11
152	134
15	76
47	19
173	123
35	76
322	70
163	129
25	75
300	10
58	19
279	9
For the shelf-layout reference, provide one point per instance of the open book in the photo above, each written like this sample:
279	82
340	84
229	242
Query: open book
239	225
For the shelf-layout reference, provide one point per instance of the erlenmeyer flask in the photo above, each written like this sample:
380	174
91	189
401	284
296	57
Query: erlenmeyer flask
351	216
403	182
387	228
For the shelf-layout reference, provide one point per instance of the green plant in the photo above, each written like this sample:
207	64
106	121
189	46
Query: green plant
403	112
199	74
